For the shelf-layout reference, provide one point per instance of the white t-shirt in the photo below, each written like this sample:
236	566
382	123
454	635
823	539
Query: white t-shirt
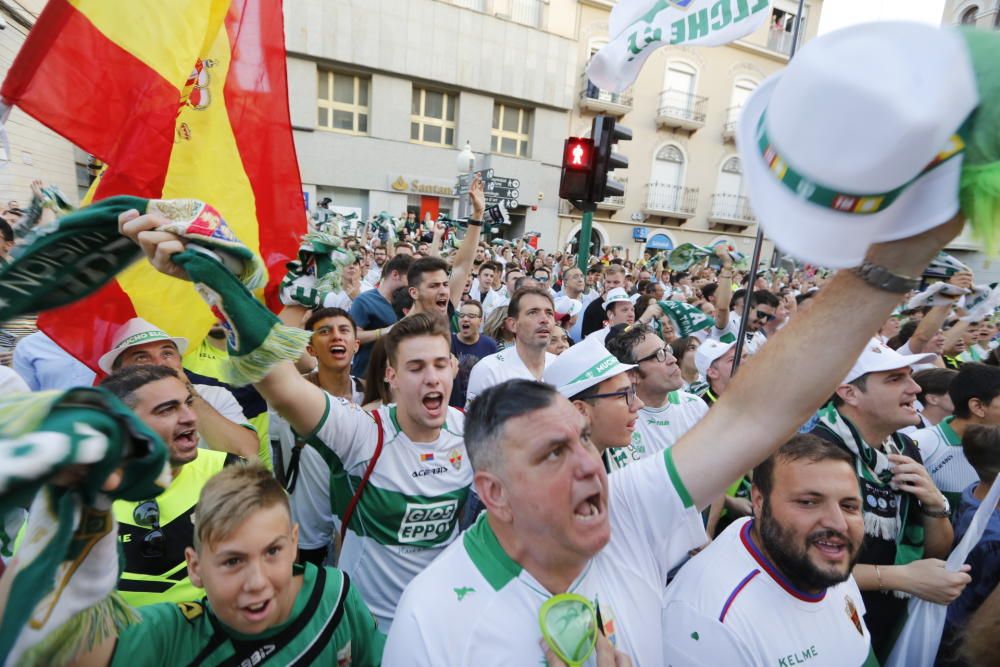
410	508
659	428
474	605
338	299
310	500
730	606
225	404
941	450
497	368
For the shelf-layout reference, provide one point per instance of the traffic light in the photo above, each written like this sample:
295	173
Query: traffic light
606	133
578	155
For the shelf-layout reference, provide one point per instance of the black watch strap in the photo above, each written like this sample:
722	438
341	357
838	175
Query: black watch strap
882	278
475	223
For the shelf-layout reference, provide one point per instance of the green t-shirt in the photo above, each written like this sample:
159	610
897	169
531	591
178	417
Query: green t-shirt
329	625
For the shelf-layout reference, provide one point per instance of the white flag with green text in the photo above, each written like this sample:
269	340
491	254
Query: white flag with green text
639	27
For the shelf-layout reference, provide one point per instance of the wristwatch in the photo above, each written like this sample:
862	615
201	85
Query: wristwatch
882	278
942	513
475	223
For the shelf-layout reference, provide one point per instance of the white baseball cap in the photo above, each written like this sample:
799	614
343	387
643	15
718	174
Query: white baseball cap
614	296
709	350
136	331
567	307
837	148
878	357
582	366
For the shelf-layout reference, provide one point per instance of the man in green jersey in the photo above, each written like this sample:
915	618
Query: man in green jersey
258	604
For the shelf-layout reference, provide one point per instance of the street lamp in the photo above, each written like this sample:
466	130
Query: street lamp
466	160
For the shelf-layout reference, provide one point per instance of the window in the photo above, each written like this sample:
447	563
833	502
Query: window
969	16
511	130
668	168
342	102
782	29
432	117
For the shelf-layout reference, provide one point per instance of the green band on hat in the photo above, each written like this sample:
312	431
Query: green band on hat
842	202
597	370
142	337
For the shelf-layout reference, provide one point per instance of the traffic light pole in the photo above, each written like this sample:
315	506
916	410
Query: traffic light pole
586	228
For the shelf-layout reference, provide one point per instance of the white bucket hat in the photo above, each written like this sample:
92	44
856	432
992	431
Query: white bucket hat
709	350
567	307
878	357
136	331
582	366
614	296
838	148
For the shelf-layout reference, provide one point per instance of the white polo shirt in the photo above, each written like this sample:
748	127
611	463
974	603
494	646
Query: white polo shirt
659	428
941	450
730	606
474	605
500	367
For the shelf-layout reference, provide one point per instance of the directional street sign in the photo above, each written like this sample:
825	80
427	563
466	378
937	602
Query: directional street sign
506	182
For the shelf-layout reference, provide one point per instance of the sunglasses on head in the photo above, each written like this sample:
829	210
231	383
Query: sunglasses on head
154	543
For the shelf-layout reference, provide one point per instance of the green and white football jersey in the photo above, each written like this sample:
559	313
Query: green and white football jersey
659	428
729	605
941	450
474	605
329	625
410	508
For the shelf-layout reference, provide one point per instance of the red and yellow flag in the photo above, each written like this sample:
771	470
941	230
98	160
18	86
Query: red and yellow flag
181	99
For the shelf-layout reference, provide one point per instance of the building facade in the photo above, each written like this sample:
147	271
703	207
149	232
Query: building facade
34	150
684	179
982	15
384	94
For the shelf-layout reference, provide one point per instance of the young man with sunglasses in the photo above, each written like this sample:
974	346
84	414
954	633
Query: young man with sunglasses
667	412
153	534
601	388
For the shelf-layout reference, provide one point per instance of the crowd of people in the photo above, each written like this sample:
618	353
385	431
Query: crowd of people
478	432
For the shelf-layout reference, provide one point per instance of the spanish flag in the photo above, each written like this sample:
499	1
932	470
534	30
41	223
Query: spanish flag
180	99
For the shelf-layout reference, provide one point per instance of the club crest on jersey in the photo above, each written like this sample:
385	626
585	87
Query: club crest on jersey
344	656
455	457
852	613
191	611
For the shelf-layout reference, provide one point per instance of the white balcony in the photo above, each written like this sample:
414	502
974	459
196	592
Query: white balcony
603	101
730	209
682	111
670	201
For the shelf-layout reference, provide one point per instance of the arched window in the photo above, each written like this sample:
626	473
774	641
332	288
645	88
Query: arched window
969	16
668	167
742	89
730	177
679	84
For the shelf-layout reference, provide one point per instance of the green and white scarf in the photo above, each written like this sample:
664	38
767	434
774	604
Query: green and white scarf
63	580
686	318
317	271
889	514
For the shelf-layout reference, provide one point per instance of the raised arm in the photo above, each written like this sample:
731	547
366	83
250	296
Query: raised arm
724	292
765	404
935	317
461	266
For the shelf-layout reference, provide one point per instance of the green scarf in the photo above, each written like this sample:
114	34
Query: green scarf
44	434
317	271
980	184
686	318
257	339
888	513
71	258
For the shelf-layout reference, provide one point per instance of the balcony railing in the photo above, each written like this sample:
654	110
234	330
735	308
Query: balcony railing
674	201
603	101
729	127
781	41
682	110
730	209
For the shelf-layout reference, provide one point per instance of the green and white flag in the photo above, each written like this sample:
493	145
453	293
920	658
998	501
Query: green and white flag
639	27
686	318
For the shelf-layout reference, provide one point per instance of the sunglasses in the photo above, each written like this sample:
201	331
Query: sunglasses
154	543
569	626
761	315
660	355
628	394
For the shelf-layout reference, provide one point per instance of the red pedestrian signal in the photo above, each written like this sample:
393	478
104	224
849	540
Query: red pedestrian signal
578	154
